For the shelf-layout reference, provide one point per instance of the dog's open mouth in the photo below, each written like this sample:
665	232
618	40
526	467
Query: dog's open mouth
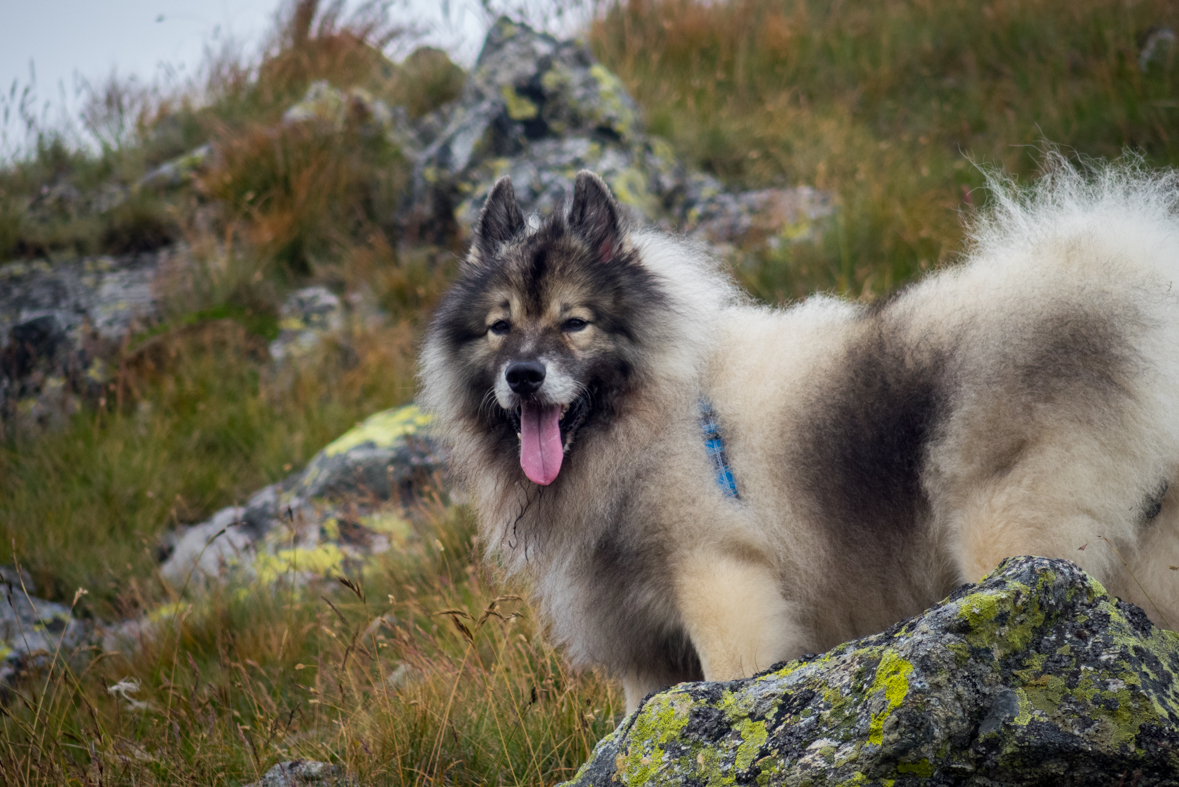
545	431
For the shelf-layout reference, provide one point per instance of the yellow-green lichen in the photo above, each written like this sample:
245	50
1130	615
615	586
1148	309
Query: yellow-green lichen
753	736
922	768
1024	714
330	529
610	94
322	560
978	609
382	430
660	722
165	611
555	79
892	675
1046	692
519	107
389	524
631	188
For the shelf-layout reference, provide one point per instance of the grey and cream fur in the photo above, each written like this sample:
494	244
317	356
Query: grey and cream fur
1025	401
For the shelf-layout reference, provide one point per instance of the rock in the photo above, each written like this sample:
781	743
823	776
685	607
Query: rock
772	216
310	316
300	772
1035	676
540	109
15	580
386	456
180	170
346	505
307	316
62	325
334	109
33	631
226	539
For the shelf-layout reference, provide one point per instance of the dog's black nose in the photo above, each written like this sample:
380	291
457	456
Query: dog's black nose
525	377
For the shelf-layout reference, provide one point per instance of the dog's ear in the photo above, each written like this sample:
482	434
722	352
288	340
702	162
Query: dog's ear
594	215
500	220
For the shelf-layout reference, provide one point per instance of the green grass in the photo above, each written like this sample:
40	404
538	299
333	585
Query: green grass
885	105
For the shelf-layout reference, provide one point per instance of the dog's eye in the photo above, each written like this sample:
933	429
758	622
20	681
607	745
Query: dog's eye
500	327
574	324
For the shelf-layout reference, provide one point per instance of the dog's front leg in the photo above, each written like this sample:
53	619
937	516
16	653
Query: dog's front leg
638	686
736	617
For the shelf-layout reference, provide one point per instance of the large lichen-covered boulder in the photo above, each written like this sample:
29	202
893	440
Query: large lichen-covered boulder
1035	676
348	503
540	109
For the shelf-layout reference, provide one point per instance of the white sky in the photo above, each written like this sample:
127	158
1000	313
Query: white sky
165	39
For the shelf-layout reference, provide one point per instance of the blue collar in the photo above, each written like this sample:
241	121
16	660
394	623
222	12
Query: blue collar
714	444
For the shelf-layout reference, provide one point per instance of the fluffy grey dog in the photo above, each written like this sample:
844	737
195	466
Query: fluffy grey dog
699	487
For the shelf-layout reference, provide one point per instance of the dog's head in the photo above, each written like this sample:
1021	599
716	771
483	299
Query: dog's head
544	333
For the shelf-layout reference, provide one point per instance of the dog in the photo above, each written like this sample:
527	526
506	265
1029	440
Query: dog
699	487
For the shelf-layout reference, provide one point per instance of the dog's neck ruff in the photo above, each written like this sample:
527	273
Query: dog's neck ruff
714	445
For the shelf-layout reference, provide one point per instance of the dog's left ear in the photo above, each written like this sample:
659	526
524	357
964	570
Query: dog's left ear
594	215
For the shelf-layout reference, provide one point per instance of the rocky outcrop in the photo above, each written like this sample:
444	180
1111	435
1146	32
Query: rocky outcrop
64	327
354	500
1035	676
60	326
347	504
540	109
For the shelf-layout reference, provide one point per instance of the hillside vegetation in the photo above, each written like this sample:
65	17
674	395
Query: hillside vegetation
427	669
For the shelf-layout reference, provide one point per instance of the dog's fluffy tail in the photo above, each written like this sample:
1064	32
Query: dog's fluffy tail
1123	204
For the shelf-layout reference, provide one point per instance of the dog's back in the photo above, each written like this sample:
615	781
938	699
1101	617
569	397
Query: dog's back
1024	402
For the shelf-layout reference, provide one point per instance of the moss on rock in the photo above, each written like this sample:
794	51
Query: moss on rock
1035	676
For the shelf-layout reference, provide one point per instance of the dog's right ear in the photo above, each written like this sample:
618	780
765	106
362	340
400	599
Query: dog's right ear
594	215
500	220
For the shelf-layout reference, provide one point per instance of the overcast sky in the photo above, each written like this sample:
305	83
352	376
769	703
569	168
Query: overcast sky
139	36
161	39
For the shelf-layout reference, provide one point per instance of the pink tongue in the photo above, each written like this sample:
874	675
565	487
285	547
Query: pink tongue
540	442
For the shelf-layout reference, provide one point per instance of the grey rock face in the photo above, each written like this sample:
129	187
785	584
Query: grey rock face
60	326
303	772
33	631
306	317
1036	676
539	109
